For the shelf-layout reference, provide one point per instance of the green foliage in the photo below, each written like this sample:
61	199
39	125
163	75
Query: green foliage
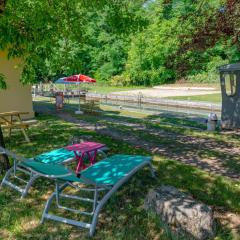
211	74
165	50
135	42
107	47
62	38
150	52
120	80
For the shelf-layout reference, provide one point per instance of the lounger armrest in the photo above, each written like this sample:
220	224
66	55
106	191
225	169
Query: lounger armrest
52	175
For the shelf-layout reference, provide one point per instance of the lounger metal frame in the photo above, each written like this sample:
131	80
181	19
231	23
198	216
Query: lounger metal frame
97	204
13	172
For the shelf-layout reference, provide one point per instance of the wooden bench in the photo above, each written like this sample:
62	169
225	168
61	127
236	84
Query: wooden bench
13	120
23	124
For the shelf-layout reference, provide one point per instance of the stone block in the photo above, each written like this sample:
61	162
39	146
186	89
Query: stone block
181	211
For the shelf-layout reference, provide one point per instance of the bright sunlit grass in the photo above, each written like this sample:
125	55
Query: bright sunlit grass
213	98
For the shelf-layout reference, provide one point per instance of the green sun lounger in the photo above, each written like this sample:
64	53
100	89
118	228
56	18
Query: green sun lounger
105	176
14	179
100	180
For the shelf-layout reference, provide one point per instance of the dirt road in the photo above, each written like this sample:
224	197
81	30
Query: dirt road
162	92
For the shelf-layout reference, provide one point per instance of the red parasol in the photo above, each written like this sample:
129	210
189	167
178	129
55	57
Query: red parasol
79	78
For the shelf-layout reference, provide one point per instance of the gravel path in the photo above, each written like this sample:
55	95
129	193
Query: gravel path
166	92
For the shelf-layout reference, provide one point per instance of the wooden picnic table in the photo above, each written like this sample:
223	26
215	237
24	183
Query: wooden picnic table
13	120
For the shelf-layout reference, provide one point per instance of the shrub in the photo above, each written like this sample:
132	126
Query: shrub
211	74
120	80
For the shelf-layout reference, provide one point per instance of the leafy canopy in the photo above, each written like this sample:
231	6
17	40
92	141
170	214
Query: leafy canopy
122	41
55	37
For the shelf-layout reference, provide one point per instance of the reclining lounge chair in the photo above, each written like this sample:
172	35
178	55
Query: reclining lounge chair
102	180
57	156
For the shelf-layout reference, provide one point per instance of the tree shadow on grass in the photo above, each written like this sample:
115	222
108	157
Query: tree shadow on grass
211	153
221	155
123	217
49	134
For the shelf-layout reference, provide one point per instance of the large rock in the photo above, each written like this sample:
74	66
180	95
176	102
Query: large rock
182	211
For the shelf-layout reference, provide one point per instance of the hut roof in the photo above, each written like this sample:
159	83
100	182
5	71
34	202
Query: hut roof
229	67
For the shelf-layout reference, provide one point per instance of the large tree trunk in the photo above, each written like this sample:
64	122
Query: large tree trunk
4	161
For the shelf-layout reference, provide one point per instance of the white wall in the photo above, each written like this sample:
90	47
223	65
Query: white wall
16	97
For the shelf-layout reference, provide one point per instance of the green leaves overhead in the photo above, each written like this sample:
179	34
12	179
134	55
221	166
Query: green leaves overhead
51	35
131	41
183	38
3	84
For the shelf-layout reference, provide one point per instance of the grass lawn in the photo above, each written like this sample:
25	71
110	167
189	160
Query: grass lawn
215	85
101	87
214	98
123	217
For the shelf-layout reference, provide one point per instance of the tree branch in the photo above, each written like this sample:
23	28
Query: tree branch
2	5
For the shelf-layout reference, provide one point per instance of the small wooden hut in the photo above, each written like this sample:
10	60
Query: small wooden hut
230	87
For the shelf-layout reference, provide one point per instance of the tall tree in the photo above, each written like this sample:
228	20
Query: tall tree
49	35
184	39
4	161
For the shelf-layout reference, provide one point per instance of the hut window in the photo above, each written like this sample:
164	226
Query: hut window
230	83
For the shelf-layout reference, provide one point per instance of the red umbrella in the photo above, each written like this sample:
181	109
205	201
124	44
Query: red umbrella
79	78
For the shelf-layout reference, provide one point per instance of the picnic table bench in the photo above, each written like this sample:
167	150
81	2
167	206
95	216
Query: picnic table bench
13	120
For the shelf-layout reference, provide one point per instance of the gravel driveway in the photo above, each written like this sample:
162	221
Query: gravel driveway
162	92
